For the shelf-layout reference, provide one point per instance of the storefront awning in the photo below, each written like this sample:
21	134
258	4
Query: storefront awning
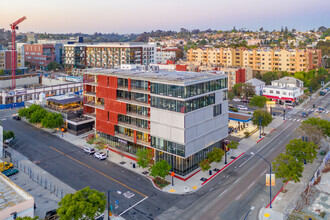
279	98
239	117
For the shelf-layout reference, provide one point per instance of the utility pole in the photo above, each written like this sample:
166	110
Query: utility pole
260	119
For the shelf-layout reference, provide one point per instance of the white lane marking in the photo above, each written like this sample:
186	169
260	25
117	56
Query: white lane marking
237	180
239	197
227	176
222	193
211	189
219	182
133	206
294	119
243	163
298	119
251	184
263	173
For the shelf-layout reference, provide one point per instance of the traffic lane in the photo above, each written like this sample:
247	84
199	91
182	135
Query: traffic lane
110	169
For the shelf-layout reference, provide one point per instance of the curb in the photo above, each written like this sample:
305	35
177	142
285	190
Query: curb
278	193
260	139
185	179
272	130
222	169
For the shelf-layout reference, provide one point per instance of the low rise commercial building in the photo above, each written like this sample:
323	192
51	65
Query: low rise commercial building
257	84
14	200
180	116
288	82
283	95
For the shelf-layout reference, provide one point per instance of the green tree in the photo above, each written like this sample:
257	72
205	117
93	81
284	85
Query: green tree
301	150
322	124
2	72
52	120
179	54
313	132
8	134
53	66
38	116
258	101
231	95
269	76
27	112
205	165
288	168
265	116
84	204
233	145
143	157
160	169
243	89
215	155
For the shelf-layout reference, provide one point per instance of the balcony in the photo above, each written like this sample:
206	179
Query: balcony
131	139
133	127
133	102
94	105
91	115
135	115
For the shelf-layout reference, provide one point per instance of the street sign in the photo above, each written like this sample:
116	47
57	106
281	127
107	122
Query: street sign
270	104
268	179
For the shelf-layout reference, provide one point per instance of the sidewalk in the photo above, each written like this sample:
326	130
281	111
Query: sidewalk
311	97
182	184
286	200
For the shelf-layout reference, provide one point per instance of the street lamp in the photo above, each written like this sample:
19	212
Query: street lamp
270	175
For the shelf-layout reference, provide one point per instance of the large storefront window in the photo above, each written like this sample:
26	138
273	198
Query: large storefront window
184	166
168	146
188	91
181	106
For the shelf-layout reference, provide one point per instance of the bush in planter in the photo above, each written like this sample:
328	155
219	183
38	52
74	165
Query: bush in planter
246	134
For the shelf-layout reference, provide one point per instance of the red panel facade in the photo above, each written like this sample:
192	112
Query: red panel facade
102	80
106	93
105	127
101	115
114	106
135	138
113	117
129	84
113	82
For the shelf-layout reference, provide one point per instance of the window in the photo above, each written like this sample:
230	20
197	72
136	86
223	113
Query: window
216	110
284	93
277	92
270	91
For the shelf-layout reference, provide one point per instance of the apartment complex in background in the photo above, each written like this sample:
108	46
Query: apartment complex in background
39	55
165	54
5	61
108	55
180	116
260	60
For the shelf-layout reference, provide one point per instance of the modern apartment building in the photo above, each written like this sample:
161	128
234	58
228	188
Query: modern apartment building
109	55
5	61
180	116
39	55
165	54
260	60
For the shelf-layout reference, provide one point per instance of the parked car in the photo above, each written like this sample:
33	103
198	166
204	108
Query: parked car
10	172
16	117
89	150
52	214
304	115
100	155
320	110
236	100
242	107
246	101
233	109
7	141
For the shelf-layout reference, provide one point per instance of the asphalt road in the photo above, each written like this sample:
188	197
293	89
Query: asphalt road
227	196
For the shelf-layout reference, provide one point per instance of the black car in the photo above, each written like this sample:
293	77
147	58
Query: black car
50	214
16	117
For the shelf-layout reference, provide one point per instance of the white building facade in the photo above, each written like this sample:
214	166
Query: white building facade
164	54
283	95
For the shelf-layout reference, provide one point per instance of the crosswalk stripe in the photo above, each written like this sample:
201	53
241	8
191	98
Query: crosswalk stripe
298	119
294	119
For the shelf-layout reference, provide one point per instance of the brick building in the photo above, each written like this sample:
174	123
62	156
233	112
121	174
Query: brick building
39	55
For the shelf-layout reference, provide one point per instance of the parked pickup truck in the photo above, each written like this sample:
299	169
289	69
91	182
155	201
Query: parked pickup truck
10	172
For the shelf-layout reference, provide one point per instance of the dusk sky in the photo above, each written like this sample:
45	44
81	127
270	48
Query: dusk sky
136	16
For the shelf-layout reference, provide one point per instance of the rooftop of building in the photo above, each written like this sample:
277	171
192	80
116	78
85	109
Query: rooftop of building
288	79
10	193
112	44
65	99
255	82
180	77
279	87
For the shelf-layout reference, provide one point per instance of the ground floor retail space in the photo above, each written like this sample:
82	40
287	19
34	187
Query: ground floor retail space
181	166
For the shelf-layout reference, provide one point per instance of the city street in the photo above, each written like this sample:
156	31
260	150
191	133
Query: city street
227	196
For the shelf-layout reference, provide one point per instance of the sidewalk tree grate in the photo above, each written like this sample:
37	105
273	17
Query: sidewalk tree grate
145	172
215	169
203	179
